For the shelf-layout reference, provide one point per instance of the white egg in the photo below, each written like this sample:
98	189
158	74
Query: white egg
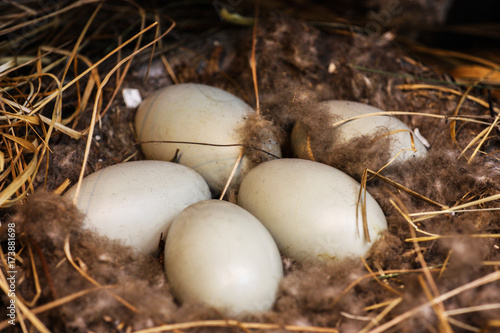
136	202
400	134
219	254
201	114
310	209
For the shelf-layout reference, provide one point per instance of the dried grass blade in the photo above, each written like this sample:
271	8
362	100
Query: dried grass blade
475	202
477	308
98	96
235	324
362	201
310	153
15	105
438	306
235	18
33	120
445	263
67	251
152	53
473	141
169	69
253	62
409	220
85	72
60	127
459	105
46	17
17	183
444	326
72	56
22	61
67	299
21	321
7	171
407	190
58	302
453	54
121	76
420	86
453	124
381	315
390	289
21	306
460	324
36	280
20	141
388	274
61	188
378	305
407	113
233	171
492	277
431	238
7	65
473	73
485	136
428	215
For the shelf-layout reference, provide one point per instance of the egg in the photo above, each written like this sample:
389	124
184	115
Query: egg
136	202
197	113
310	209
400	134
220	255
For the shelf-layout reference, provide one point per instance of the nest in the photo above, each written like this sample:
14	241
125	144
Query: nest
63	116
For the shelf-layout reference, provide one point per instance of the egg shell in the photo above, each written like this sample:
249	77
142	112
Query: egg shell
196	113
136	202
363	126
310	209
219	254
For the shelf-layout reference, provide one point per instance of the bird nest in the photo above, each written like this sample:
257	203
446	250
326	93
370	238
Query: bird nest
63	116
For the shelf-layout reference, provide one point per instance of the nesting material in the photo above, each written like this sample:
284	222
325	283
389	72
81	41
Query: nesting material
434	269
53	226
